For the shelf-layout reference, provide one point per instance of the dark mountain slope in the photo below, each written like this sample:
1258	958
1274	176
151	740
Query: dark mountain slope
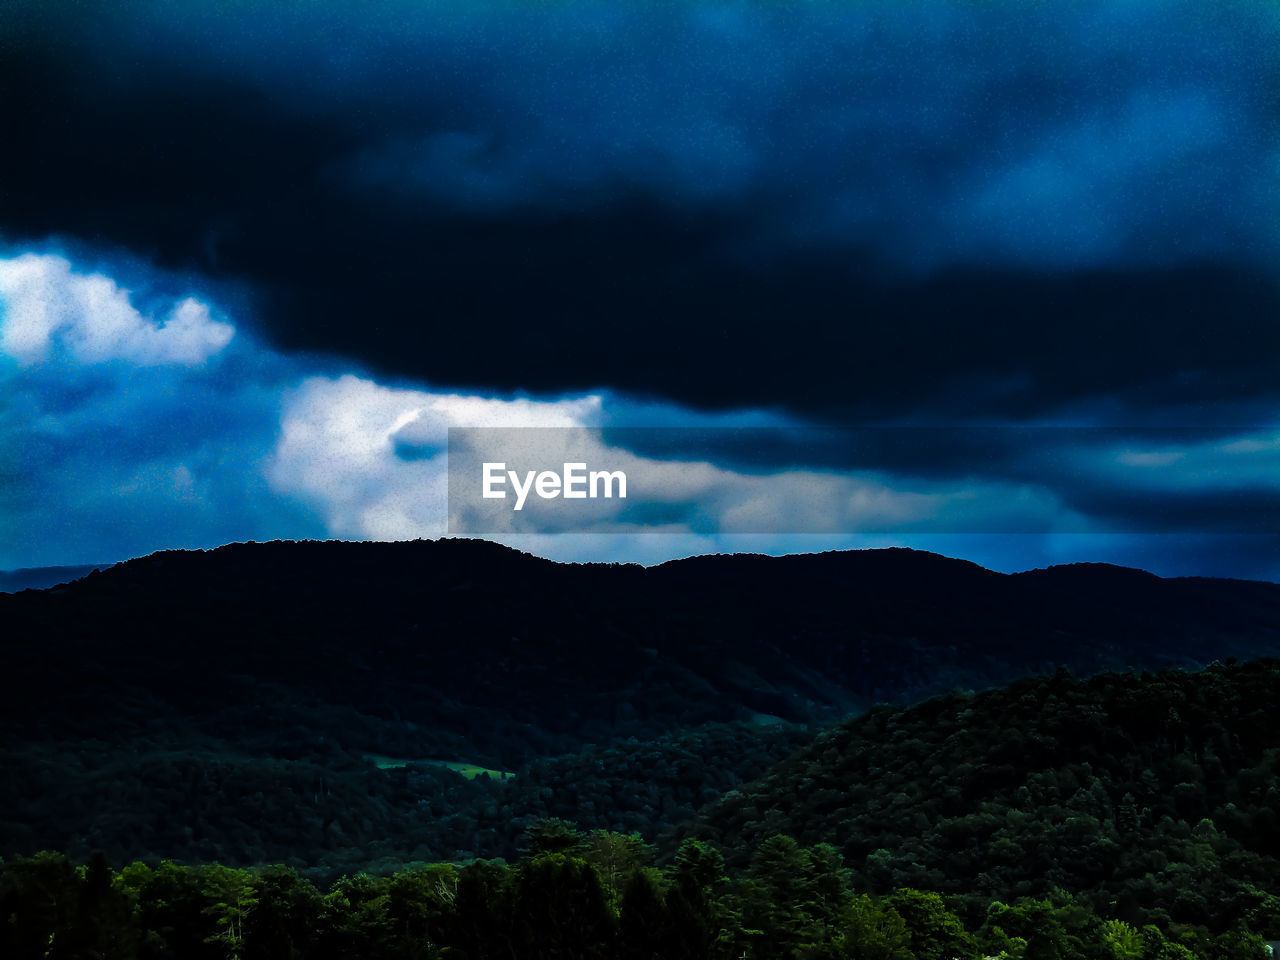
500	654
1147	793
274	676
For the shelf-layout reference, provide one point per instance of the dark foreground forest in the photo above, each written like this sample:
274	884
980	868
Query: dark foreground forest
1122	817
593	897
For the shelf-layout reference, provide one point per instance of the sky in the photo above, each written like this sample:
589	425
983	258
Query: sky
257	259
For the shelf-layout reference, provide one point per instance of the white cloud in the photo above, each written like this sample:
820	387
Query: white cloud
337	450
44	306
371	461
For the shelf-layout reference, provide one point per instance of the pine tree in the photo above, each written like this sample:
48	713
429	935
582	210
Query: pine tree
232	898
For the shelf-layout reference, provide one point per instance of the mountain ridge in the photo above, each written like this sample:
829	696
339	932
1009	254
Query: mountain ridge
272	673
835	631
79	572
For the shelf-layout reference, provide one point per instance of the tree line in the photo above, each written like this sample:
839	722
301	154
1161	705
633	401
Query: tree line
594	895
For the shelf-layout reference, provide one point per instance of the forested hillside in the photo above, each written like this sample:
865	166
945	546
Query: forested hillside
1154	796
1123	816
323	703
348	812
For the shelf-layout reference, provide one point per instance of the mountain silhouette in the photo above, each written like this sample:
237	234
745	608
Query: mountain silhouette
498	653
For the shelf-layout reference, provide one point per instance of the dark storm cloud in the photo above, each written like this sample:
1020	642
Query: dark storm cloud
1022	453
935	209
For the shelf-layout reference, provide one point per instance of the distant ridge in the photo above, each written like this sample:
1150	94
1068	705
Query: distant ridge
40	578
